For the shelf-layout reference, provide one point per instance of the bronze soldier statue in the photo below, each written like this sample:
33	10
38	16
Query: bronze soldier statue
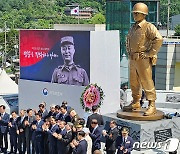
143	44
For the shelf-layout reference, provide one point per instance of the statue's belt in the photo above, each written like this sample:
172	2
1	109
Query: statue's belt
135	55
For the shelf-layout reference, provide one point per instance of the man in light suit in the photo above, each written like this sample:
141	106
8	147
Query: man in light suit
95	134
125	142
4	119
38	134
79	147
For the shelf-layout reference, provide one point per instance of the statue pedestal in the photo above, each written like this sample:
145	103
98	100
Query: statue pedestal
147	131
138	115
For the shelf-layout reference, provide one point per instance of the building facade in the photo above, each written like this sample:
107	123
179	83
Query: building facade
175	20
168	65
84	13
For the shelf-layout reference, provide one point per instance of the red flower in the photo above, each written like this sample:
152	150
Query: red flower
91	97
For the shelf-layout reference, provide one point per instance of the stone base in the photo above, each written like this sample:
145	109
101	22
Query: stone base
138	115
143	131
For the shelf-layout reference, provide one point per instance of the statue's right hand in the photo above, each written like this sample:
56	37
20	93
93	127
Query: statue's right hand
136	56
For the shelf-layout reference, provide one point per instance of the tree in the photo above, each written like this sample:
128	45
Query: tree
41	14
11	40
177	30
174	10
98	19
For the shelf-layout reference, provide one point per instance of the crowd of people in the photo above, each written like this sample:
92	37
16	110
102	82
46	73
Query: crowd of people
60	131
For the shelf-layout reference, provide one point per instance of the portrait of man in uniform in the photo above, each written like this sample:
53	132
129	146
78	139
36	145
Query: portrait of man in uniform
69	72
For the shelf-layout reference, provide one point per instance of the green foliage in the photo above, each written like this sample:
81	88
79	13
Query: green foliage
38	14
12	39
177	30
174	9
98	19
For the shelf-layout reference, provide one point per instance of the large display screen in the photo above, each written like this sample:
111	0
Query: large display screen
55	56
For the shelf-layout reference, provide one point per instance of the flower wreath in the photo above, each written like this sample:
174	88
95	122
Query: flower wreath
92	95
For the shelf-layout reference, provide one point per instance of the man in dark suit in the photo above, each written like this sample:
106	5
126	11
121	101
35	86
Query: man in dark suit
95	134
38	134
57	111
52	111
21	132
124	142
13	132
52	140
68	137
95	115
28	131
43	110
60	133
111	137
46	124
66	104
4	119
79	147
74	116
64	116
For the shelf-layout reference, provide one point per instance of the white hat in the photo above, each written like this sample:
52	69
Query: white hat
86	130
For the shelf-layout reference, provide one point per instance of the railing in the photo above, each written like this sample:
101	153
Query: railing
172	37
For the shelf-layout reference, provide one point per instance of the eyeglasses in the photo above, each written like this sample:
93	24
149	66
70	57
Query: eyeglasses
93	122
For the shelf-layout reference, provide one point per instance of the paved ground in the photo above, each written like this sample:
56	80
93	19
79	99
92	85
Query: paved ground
150	151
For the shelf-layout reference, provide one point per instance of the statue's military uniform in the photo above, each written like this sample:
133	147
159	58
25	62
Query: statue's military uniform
143	37
143	44
73	75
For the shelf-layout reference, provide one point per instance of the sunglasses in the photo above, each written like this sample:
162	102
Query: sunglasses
93	122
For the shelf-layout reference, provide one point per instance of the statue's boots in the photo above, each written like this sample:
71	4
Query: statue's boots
151	109
134	106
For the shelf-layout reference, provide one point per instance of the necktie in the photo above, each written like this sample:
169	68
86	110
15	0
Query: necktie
57	115
22	120
63	117
37	123
52	128
124	140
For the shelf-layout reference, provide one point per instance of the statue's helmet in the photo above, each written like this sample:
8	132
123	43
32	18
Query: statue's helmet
140	8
